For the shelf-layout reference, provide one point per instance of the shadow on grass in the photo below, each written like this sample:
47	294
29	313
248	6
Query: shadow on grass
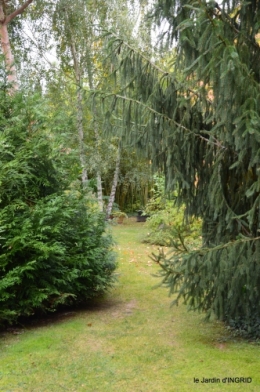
65	313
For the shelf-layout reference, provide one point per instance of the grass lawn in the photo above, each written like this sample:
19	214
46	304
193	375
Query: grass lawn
130	341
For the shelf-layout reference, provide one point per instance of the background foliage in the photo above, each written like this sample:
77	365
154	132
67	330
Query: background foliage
166	221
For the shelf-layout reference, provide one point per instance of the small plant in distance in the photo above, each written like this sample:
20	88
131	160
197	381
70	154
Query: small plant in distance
165	225
120	216
167	221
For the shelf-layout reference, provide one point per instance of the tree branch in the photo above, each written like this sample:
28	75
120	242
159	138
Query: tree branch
19	11
217	143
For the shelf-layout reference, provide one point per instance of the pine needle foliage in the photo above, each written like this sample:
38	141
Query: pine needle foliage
200	123
53	245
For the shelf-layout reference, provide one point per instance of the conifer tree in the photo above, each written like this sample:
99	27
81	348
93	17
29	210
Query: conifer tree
202	126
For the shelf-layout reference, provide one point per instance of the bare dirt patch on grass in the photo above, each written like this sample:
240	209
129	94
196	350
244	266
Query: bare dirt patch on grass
125	309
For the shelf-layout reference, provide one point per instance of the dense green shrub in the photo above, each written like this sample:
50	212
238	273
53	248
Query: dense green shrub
53	245
54	252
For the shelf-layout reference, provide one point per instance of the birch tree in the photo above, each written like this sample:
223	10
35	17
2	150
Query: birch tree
7	14
79	29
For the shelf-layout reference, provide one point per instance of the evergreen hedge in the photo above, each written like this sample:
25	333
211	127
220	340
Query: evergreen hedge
53	245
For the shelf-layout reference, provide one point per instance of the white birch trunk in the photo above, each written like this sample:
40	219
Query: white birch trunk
97	137
99	192
99	180
114	184
84	175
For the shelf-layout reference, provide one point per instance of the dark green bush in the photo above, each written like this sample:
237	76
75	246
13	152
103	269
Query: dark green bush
53	245
52	253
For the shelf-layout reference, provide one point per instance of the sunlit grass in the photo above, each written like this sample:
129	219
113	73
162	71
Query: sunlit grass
129	341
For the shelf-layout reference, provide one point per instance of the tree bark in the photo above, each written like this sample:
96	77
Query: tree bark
8	56
114	184
99	191
5	42
84	175
97	137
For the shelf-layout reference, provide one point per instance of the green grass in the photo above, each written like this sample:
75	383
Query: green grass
130	341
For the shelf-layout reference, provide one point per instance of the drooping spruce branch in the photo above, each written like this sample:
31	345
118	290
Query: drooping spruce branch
164	116
121	43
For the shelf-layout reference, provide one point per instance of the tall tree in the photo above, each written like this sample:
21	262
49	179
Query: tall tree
74	26
5	18
202	128
79	29
78	72
114	183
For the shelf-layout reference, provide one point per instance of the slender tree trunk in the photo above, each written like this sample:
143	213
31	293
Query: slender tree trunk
5	42
99	191
97	137
114	184
8	56
84	175
98	173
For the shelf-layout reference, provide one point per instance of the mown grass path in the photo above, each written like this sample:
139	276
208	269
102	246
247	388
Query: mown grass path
130	341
